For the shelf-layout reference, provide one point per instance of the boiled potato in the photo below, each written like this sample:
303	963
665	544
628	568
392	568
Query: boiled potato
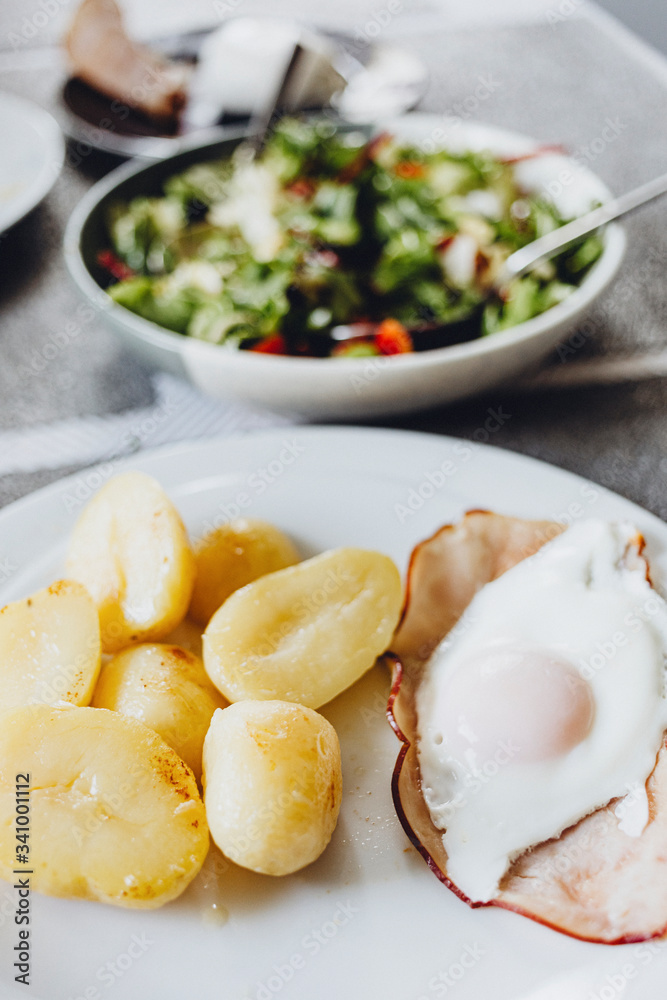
272	784
305	633
130	550
235	554
166	688
49	648
115	814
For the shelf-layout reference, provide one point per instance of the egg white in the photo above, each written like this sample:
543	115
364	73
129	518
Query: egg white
582	599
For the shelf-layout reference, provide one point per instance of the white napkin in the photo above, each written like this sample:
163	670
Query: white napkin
179	413
242	63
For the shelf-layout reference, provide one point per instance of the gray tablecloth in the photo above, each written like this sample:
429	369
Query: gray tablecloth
565	79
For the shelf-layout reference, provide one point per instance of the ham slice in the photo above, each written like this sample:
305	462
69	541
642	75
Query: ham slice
594	882
104	57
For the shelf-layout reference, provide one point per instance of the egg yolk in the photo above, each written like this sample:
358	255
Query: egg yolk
528	702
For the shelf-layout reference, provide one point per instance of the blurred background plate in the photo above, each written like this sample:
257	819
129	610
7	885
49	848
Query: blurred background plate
31	157
377	80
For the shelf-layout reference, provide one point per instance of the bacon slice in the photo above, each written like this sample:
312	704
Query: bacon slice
104	57
594	882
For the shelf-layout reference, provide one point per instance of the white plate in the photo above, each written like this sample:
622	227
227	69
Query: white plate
386	926
31	157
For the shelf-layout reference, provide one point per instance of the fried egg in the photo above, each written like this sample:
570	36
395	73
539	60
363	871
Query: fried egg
546	702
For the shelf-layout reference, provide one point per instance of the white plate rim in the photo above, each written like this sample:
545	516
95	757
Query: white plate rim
151	460
53	152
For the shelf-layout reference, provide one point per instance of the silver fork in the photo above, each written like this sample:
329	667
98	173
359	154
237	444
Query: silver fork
560	239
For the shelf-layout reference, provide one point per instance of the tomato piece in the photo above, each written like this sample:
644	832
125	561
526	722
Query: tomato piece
363	158
392	337
409	170
116	267
444	242
273	344
302	188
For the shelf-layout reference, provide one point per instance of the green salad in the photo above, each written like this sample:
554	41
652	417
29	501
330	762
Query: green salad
329	245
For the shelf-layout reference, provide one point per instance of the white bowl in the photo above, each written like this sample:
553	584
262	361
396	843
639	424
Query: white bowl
344	388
